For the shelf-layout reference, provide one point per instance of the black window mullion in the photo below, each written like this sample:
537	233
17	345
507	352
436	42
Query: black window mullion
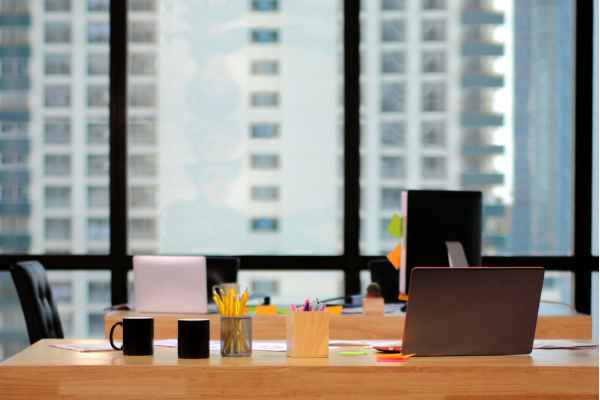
351	146
118	150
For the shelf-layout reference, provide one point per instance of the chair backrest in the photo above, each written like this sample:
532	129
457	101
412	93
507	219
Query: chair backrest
220	270
384	273
41	315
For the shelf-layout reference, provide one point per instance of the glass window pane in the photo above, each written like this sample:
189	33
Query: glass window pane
53	124
484	102
227	157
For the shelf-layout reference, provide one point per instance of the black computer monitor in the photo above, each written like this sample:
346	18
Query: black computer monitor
435	217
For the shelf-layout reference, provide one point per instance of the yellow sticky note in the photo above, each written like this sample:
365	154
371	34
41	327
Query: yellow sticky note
265	310
335	310
395	226
394	256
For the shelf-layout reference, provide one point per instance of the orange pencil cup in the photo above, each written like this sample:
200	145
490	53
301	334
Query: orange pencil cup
308	334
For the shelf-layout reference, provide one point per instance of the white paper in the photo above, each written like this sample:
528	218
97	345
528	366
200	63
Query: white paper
562	344
215	345
85	348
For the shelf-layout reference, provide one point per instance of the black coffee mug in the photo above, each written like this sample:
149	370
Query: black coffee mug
138	336
192	338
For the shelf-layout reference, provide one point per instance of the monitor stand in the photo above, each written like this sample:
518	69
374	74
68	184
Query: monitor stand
456	255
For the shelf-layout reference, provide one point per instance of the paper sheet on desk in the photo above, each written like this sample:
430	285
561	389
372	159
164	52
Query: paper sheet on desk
85	348
216	346
562	344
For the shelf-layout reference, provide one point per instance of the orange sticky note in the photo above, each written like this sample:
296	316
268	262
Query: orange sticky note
265	310
335	310
394	256
403	297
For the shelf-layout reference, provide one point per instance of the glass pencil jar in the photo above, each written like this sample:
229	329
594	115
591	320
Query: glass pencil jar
236	336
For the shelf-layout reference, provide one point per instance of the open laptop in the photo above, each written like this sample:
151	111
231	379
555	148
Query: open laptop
170	284
472	311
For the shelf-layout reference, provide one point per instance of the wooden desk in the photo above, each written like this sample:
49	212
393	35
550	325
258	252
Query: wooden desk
272	327
49	373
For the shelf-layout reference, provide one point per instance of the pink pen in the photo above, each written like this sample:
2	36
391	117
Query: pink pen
293	308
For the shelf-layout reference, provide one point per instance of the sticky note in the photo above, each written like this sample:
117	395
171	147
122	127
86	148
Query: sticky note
394	357
403	297
354	353
394	256
265	310
395	226
335	310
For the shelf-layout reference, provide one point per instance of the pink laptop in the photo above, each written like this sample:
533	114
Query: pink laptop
174	284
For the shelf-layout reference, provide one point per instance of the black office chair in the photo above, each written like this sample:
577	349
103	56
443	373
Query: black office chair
384	273
220	270
35	295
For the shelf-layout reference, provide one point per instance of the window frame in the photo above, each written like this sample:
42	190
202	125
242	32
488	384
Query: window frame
581	262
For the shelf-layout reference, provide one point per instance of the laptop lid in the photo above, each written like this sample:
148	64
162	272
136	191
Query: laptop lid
472	311
170	284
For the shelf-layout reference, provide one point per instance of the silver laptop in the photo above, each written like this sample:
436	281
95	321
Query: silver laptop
170	284
472	311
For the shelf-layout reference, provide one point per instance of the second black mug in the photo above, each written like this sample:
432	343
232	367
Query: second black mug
138	336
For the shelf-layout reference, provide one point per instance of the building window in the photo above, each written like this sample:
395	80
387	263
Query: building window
434	62
391	199
433	167
434	96
389	5
13	193
434	4
13	224
11	158
264	161
98	229
392	167
98	32
264	193
265	5
57	96
58	228
393	30
264	130
13	67
393	134
97	165
57	196
97	197
97	96
264	35
142	196
264	225
392	62
142	64
434	30
57	164
57	32
57	130
142	32
142	131
97	132
142	228
264	99
13	128
142	5
97	63
98	5
392	97
58	5
142	165
57	64
142	96
264	67
433	134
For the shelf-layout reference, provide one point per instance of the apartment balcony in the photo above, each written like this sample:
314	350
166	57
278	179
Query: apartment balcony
474	119
10	19
15	84
482	17
478	179
14	177
473	48
494	210
15	209
482	150
21	146
15	242
14	115
11	50
482	80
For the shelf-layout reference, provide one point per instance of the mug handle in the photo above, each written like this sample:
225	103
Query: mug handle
110	335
